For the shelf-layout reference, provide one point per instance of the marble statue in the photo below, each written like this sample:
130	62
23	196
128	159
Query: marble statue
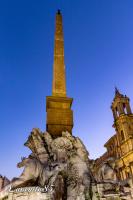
63	160
107	172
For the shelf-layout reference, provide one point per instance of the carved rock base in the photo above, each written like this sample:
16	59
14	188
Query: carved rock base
29	196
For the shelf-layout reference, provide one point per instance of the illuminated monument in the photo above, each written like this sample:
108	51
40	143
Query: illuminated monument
58	167
58	106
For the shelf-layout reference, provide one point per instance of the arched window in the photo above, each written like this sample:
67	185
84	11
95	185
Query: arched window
117	113
128	174
124	107
122	136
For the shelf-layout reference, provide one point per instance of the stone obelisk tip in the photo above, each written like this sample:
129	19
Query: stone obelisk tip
58	12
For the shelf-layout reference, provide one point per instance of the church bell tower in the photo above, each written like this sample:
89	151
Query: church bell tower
123	117
123	122
58	106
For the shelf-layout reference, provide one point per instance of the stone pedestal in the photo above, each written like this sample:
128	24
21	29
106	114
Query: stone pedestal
59	115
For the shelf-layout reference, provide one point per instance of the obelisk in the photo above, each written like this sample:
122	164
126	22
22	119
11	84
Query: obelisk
58	106
59	77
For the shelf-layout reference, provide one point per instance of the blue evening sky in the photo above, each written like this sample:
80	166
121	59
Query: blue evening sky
98	55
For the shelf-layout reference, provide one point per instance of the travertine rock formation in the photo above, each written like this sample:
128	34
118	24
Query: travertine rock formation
63	160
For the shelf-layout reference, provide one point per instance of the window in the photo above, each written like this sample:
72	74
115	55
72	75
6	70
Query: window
128	174
117	113
122	136
124	107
